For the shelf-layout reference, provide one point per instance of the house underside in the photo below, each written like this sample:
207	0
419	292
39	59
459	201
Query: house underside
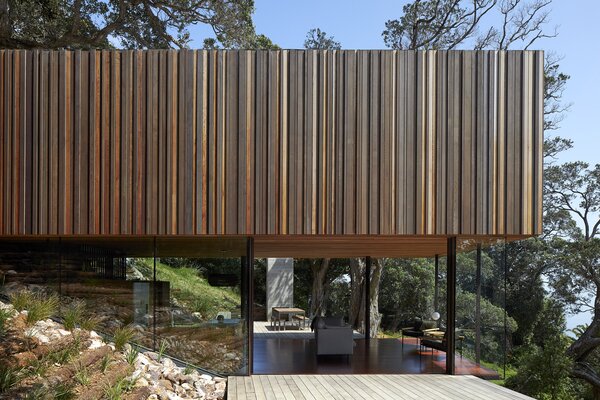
117	166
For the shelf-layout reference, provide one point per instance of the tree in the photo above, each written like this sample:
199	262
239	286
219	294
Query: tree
543	367
358	292
88	24
449	24
572	193
319	40
319	268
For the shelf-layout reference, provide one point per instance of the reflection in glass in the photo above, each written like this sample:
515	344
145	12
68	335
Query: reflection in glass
481	320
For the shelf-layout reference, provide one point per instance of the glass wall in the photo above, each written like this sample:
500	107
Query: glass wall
183	297
482	324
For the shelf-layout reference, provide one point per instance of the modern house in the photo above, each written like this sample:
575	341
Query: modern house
111	156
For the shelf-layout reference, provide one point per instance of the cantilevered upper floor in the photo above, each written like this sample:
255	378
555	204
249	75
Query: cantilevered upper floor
285	142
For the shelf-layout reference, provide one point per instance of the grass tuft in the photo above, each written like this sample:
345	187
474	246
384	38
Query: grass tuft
41	307
21	299
9	377
73	314
5	315
117	391
123	335
105	363
131	356
64	391
82	375
90	323
65	354
164	346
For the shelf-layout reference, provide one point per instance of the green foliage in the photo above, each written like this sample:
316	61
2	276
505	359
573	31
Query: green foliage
319	40
492	326
42	307
188	283
105	362
90	322
188	369
73	314
163	346
132	23
39	392
131	355
64	391
117	391
82	375
21	299
543	368
5	315
37	367
544	372
442	30
65	354
406	290
9	377
123	335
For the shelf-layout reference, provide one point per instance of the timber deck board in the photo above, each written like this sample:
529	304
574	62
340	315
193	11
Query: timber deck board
367	387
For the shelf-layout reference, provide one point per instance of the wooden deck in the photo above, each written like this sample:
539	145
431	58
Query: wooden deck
366	387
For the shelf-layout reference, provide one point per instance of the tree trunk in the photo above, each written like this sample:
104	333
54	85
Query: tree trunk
319	269
357	293
357	300
375	319
581	349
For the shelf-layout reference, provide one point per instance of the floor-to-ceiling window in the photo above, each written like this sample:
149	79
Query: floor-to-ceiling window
184	297
482	324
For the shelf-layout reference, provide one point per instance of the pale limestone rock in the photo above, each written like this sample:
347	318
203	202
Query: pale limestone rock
141	382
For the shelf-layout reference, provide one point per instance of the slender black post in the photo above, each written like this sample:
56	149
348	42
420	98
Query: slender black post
250	301
505	262
478	306
154	294
368	300
451	304
436	290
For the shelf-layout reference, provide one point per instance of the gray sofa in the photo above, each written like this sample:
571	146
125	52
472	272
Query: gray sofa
333	336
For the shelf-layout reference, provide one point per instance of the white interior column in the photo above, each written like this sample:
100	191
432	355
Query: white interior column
280	283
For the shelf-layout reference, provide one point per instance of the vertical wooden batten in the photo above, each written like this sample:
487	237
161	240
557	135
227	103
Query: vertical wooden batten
283	142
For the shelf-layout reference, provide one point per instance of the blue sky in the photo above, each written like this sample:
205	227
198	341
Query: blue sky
358	25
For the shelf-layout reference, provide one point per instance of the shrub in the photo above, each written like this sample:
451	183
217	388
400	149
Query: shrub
21	299
9	377
73	314
42	307
123	335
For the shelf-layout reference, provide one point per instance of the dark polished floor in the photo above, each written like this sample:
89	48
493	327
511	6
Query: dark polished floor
381	356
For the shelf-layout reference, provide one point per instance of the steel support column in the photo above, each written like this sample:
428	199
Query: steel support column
248	300
368	299
451	305
436	284
478	306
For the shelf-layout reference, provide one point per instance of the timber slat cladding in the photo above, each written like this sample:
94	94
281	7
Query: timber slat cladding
271	142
